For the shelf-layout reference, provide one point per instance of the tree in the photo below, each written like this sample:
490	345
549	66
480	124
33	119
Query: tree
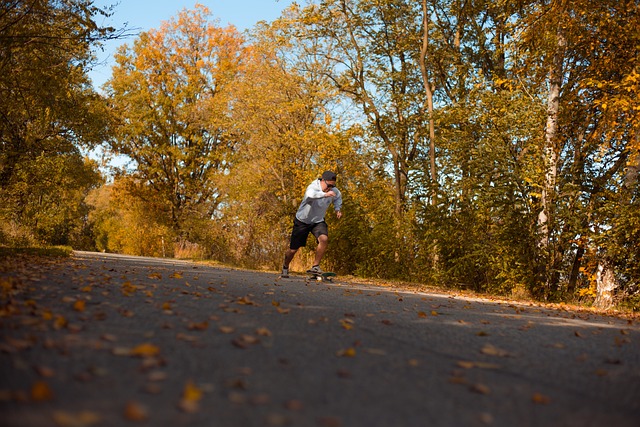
171	94
592	53
124	223
48	112
373	47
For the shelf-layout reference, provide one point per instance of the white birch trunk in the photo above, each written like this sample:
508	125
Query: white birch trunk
550	152
605	285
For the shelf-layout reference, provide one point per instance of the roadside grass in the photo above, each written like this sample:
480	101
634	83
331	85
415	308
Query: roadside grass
47	251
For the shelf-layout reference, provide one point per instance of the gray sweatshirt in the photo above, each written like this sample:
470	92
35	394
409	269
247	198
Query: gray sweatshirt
315	203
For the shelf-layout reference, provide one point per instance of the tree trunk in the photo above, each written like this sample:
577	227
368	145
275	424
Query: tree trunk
605	285
429	106
550	153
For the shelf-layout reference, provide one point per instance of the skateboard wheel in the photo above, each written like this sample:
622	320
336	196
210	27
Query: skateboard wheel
319	279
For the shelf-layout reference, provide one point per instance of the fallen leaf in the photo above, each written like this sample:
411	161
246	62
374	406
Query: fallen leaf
540	399
260	399
237	398
157	376
486	418
491	350
422	314
191	396
134	411
244	341
176	275
349	352
294	405
226	329
201	326
40	391
80	419
480	388
343	373
79	305
121	351
482	365
44	371
330	422
347	324
145	350
245	301
263	332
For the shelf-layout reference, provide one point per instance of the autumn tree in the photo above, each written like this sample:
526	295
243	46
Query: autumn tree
587	56
171	94
48	113
122	222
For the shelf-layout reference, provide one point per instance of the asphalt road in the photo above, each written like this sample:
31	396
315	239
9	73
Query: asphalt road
110	340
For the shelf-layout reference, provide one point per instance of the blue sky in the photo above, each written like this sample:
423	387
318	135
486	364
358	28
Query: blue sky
148	14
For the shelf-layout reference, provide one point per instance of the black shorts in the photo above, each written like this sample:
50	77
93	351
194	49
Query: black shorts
301	231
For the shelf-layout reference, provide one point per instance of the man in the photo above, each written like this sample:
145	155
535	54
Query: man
310	219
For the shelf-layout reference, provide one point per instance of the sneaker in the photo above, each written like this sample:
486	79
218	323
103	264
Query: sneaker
315	270
285	272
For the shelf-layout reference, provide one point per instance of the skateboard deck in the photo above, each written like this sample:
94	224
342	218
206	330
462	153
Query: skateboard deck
327	276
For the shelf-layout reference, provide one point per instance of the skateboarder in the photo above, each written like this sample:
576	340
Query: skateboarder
310	219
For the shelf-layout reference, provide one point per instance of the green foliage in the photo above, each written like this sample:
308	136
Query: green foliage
48	251
48	112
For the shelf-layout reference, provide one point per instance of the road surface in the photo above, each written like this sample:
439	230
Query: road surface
110	340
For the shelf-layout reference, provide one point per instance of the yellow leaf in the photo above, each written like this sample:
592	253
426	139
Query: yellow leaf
79	305
80	419
349	352
347	324
145	350
176	275
191	392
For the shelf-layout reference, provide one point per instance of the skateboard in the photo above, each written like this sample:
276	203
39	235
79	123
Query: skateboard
327	276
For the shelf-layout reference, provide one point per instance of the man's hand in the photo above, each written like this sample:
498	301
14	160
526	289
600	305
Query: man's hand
338	214
330	194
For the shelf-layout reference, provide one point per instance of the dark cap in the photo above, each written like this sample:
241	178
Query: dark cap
329	176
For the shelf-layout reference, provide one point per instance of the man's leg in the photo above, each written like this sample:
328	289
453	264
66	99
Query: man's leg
288	256
323	242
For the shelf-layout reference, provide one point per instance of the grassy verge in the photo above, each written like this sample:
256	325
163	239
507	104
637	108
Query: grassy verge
50	251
